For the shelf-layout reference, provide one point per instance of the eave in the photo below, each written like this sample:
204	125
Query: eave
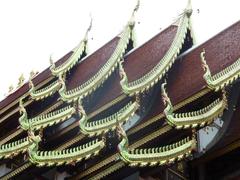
154	156
14	148
193	119
39	80
153	76
60	157
108	123
190	85
94	82
46	119
193	82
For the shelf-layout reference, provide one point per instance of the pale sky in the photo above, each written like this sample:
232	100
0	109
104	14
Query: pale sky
32	30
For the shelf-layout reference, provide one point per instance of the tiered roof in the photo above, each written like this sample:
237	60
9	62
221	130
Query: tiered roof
88	97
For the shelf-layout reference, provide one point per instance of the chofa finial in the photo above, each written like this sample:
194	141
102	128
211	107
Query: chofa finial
89	27
134	12
136	7
188	9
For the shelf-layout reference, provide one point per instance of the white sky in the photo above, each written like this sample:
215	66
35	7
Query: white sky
31	30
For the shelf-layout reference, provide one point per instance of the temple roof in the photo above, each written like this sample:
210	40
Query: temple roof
76	120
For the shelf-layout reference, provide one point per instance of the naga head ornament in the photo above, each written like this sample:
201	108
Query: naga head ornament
205	65
61	81
204	62
165	97
119	130
122	73
22	109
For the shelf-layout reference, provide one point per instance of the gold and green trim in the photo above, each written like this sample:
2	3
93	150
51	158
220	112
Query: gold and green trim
60	157
44	120
196	118
113	158
152	77
12	149
131	131
154	156
223	78
105	71
39	94
106	124
77	53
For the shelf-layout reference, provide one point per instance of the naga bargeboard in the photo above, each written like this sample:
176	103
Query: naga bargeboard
101	122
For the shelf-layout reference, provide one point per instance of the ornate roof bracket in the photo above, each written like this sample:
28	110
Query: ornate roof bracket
152	77
154	156
106	124
105	71
223	78
44	92
44	120
196	118
74	58
67	156
12	149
